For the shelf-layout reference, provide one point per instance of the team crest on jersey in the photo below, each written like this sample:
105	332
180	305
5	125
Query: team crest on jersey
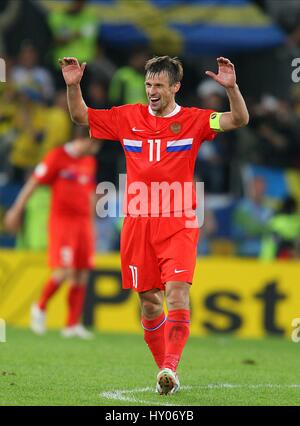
175	127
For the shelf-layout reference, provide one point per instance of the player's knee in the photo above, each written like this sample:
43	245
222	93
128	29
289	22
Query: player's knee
59	276
177	298
82	277
77	278
174	304
151	309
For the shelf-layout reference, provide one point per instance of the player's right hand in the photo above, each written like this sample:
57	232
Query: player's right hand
71	70
13	220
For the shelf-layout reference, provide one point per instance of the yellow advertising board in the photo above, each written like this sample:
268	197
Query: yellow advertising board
242	297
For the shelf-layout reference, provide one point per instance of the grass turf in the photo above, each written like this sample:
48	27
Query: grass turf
50	370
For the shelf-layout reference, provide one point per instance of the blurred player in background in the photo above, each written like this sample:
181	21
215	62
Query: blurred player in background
160	141
70	172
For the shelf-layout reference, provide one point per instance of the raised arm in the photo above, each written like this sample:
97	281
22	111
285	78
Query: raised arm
72	73
13	217
238	115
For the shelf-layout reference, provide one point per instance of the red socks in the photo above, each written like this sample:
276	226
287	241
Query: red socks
75	301
167	338
50	288
177	330
155	338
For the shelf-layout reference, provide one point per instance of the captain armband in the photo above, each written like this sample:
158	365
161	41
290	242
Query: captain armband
214	121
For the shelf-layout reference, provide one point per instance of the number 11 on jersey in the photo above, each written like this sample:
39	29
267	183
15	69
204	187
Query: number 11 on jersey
154	146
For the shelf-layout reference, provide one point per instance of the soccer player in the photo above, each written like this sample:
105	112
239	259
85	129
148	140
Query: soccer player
160	142
70	172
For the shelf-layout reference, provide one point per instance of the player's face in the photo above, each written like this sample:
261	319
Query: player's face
160	93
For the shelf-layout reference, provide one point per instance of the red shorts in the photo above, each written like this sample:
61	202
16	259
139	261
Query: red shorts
155	250
71	243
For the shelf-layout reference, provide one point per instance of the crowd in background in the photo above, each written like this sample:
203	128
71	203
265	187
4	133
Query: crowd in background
244	215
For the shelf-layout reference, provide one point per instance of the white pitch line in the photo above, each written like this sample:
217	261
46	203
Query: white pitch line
235	386
128	394
120	395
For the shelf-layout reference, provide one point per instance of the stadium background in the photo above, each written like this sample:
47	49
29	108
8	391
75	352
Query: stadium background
247	277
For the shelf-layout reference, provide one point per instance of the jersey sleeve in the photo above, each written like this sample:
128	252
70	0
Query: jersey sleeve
104	123
208	124
46	171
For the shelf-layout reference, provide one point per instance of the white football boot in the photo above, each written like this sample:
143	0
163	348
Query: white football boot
38	317
77	330
167	382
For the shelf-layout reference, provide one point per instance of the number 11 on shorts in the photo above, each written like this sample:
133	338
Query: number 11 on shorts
134	273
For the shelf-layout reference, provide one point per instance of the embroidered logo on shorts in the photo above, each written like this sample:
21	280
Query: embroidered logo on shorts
177	271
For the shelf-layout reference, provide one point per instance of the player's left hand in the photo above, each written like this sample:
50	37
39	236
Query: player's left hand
226	73
13	220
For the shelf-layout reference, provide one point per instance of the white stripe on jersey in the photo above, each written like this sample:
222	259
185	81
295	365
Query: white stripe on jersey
129	142
180	142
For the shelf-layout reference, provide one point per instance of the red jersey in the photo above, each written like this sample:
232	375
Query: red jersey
72	180
160	151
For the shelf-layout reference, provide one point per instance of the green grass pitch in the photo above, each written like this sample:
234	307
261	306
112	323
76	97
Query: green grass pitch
117	369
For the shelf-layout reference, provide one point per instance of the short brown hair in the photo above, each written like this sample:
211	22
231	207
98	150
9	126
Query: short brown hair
171	66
